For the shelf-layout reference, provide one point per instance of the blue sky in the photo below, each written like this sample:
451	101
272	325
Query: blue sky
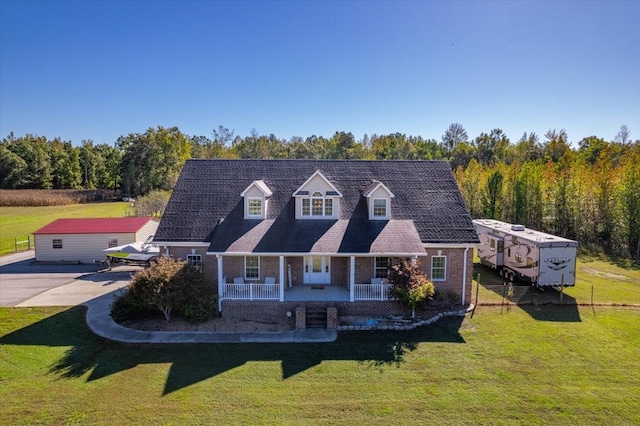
100	69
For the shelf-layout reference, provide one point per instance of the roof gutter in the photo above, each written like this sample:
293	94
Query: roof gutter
298	254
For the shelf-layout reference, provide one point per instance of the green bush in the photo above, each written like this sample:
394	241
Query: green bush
201	310
129	306
169	285
448	298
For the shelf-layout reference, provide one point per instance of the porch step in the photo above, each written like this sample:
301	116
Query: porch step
316	316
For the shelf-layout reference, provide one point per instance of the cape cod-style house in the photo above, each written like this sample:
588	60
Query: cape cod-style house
270	234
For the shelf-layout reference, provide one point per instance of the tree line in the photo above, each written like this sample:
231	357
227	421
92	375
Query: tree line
588	192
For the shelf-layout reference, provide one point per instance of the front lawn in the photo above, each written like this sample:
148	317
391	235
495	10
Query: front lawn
546	365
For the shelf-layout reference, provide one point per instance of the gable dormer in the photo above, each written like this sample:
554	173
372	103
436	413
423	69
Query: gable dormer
256	198
317	198
378	200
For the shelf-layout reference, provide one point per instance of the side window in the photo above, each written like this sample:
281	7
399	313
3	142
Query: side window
195	260
57	243
438	268
113	243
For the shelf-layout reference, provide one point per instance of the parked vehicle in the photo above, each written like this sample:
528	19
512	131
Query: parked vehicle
517	252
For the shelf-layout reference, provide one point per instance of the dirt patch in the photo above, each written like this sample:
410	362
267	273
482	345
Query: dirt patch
604	274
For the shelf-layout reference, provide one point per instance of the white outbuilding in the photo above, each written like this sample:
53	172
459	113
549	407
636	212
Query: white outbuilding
84	240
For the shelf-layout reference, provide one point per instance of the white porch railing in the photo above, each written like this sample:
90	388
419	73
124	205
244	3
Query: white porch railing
252	291
372	291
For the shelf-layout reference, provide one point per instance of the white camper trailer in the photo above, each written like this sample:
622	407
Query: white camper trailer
543	259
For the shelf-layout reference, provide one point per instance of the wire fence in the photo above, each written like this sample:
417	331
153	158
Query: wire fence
23	245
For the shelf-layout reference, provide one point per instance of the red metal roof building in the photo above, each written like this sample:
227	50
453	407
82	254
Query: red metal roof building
94	226
84	240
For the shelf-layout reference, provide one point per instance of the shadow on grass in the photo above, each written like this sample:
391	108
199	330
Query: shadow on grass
191	363
530	299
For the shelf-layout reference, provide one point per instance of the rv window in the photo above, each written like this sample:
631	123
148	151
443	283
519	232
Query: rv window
514	240
518	257
509	252
529	261
492	245
500	246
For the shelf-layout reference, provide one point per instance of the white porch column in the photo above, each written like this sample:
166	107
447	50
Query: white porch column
220	281
352	278
282	278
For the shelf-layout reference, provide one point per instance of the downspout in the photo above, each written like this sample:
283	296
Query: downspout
464	275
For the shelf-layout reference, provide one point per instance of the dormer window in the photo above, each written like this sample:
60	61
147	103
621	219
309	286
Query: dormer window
317	205
317	198
254	207
380	208
378	200
255	200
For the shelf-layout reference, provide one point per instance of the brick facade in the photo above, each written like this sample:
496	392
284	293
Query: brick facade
233	266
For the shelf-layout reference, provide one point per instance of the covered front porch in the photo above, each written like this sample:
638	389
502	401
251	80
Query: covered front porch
300	278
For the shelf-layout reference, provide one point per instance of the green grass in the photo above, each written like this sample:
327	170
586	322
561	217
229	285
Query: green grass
18	222
612	281
549	365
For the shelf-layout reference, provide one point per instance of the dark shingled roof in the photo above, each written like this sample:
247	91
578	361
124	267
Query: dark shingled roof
206	206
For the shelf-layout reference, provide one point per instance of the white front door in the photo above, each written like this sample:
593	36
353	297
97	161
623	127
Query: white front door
316	270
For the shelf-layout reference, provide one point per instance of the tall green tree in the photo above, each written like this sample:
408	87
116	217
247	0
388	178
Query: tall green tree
630	201
108	170
492	195
152	160
528	148
34	151
471	187
394	146
13	169
492	147
556	145
65	164
344	146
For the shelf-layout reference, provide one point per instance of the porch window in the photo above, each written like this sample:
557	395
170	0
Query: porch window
113	243
195	260
438	268
252	267
380	208
381	267
255	207
57	243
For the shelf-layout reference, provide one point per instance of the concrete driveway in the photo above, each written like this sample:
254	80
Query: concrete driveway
23	283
